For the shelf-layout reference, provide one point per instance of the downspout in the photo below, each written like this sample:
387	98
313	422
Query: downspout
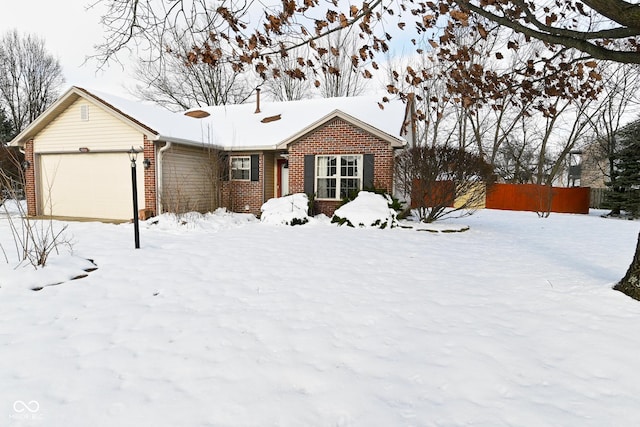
24	189
159	184
36	208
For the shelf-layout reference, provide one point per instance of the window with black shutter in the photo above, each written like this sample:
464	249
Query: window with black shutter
255	167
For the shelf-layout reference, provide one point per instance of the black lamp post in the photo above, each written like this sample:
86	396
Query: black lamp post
133	154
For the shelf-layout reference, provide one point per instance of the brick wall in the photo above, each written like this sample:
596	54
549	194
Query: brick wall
240	195
150	198
30	179
340	137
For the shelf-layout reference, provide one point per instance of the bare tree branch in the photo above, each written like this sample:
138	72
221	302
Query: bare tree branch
572	39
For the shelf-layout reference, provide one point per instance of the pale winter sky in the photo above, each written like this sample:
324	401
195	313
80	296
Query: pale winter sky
70	32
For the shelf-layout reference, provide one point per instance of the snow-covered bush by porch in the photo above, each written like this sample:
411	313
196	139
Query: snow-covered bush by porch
287	210
367	210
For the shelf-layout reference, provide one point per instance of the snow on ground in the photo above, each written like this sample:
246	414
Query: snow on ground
512	323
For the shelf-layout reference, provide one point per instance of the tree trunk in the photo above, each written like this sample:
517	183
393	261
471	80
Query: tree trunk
630	283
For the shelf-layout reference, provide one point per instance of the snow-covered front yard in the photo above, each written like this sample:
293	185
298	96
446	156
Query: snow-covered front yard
225	321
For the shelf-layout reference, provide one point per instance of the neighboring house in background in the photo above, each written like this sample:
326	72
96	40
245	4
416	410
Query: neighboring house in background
595	166
234	156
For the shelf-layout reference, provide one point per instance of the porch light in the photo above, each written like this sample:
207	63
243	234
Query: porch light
133	155
146	163
26	164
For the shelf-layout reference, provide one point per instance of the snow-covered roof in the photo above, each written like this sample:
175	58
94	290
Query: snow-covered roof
277	123
238	127
166	125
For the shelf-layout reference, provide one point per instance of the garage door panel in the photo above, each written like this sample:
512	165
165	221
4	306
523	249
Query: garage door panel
90	185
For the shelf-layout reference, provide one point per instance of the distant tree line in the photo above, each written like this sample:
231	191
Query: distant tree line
30	80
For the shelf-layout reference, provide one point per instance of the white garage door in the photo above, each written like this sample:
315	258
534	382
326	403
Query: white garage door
88	185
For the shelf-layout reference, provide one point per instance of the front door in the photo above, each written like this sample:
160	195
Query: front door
283	177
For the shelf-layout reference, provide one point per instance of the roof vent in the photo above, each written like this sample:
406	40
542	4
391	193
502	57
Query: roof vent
271	118
84	113
198	114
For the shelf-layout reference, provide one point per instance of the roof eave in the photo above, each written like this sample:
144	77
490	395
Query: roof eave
182	141
132	121
43	119
63	102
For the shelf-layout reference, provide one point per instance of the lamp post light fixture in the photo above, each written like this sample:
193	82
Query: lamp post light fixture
133	155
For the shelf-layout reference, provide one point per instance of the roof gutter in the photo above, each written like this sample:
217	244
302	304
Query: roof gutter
252	148
189	142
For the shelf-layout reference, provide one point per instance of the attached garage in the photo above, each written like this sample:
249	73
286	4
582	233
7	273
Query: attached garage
77	160
87	185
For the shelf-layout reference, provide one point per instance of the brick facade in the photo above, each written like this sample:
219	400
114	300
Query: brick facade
335	137
340	137
150	196
30	179
245	196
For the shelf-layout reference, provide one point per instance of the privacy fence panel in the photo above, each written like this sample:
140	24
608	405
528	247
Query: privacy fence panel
539	198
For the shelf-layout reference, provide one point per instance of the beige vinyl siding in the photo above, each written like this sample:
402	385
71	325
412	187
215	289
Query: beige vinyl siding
189	180
101	132
461	199
269	176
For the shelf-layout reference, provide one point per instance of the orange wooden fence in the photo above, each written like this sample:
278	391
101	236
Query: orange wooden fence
538	198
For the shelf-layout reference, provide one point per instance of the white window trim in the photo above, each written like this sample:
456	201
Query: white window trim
231	168
338	176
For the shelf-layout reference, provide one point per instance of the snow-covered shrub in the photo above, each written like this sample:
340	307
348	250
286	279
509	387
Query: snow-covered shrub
367	210
443	181
219	219
287	210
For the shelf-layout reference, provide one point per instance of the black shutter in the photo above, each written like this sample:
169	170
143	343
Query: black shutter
309	174
367	172
224	167
255	167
